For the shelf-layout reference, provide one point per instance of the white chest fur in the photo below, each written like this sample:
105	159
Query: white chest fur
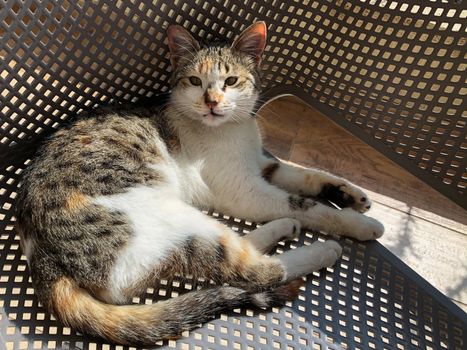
227	154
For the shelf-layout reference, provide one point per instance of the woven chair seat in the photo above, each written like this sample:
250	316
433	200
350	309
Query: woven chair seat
392	73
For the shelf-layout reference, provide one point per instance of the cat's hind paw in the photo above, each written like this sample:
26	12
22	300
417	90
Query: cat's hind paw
329	252
306	259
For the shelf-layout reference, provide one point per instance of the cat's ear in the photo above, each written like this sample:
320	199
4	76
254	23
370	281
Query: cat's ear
252	41
181	44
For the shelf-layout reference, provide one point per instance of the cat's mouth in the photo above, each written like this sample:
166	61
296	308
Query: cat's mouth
213	114
214	118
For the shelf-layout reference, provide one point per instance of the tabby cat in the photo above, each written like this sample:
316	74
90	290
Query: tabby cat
110	206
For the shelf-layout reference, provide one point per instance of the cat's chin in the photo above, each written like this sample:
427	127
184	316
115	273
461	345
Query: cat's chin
213	120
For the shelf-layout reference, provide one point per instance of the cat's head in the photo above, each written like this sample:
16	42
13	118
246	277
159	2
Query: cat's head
215	84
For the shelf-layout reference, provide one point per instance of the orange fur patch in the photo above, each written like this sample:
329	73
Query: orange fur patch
205	66
224	239
239	250
76	308
247	263
245	255
65	299
76	201
214	96
310	180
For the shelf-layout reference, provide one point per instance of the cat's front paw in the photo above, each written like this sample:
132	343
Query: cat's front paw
361	227
346	195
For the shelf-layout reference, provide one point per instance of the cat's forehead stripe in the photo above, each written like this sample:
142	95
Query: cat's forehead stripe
212	66
205	66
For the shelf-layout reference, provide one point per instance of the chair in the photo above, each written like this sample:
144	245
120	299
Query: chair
392	73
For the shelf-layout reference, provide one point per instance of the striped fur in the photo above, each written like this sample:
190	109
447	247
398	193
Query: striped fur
140	325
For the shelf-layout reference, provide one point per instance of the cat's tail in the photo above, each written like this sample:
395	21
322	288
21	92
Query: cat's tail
144	325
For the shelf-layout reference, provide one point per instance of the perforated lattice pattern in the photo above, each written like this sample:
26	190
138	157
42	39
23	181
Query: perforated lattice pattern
364	302
391	72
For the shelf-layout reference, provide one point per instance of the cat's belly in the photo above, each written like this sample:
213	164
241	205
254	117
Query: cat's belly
161	222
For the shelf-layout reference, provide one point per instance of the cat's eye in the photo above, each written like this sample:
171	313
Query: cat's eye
195	81
231	81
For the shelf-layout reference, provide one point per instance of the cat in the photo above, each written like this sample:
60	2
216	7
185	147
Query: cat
110	205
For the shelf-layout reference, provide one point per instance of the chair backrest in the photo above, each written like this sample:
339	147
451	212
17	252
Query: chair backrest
393	73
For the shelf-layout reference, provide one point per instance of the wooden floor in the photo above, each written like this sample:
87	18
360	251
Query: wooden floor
423	228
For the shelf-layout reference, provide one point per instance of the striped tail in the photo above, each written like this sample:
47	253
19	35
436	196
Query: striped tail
144	325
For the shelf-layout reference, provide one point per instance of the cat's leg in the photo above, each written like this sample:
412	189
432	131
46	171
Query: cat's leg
235	260
301	261
265	238
258	200
173	238
316	183
193	244
297	262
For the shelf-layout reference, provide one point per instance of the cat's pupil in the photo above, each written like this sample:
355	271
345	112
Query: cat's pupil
195	81
230	81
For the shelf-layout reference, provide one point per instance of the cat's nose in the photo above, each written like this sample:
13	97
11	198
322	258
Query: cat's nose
211	103
212	98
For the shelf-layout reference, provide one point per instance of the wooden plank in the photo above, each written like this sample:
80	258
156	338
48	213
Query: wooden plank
281	125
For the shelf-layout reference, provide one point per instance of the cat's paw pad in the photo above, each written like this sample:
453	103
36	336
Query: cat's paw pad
346	195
